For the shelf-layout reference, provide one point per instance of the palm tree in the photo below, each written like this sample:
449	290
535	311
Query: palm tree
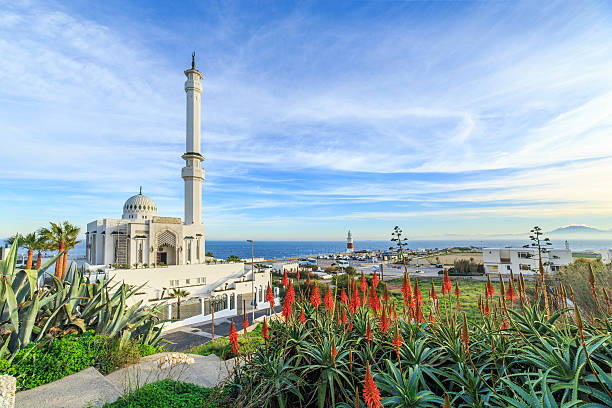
71	241
29	242
42	245
178	294
57	235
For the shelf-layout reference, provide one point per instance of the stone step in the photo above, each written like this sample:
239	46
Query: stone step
83	389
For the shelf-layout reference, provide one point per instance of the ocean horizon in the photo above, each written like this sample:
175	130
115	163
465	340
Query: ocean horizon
287	249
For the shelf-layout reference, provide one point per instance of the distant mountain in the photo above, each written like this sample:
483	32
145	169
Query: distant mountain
578	229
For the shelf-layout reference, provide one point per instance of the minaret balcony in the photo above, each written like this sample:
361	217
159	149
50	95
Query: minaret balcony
192	173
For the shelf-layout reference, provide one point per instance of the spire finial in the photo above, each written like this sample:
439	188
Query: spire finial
193	60
140	193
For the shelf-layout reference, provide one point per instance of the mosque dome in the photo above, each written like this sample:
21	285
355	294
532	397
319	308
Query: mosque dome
139	207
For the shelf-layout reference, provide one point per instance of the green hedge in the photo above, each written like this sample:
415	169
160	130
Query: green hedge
43	363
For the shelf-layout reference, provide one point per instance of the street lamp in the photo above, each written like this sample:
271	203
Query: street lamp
253	280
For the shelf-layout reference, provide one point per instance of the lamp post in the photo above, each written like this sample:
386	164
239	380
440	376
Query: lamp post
253	280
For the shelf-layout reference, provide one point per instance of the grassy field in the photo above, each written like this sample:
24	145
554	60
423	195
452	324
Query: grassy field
470	292
586	256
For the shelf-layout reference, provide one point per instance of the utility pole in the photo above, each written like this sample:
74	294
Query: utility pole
253	280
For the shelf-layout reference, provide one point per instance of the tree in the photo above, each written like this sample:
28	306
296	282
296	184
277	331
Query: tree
210	254
233	258
29	242
71	241
178	294
41	245
61	237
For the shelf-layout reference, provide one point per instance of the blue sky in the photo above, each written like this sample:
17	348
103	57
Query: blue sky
447	118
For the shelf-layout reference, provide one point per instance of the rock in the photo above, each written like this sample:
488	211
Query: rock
8	385
83	389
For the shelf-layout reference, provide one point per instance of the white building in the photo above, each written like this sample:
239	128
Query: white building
280	267
525	260
166	253
606	255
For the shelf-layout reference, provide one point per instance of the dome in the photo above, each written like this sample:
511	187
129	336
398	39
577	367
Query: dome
139	207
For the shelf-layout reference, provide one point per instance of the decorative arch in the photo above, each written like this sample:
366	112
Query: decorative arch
166	238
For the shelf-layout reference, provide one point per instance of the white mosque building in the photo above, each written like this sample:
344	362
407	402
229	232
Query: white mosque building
166	253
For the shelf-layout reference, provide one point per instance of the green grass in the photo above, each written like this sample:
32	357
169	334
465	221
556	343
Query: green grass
589	256
168	394
222	347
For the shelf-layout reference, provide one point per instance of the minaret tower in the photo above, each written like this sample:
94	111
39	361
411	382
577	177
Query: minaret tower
349	242
192	173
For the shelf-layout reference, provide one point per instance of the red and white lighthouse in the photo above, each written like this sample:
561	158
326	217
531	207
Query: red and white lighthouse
349	242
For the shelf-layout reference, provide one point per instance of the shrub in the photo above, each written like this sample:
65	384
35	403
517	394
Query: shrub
168	394
41	363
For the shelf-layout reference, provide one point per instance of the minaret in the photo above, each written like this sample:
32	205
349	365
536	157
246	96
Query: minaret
349	242
192	173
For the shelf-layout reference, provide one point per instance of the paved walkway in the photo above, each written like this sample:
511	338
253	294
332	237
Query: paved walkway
89	388
186	337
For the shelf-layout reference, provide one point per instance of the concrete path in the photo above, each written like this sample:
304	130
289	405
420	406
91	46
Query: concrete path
83	389
89	388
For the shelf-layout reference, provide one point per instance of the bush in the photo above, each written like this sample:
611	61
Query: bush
168	394
46	362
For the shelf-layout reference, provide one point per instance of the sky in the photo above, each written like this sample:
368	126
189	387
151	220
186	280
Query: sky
447	118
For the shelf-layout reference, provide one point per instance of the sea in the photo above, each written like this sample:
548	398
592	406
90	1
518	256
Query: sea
289	249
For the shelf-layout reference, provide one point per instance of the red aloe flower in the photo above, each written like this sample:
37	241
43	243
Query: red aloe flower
394	313
457	292
465	334
417	293
315	297
343	297
350	326
344	318
233	338
386	295
374	300
487	309
287	309
371	395
384	322
419	313
368	334
270	295
308	281
334	352
431	316
447	284
302	317
290	295
285	279
297	276
489	287
397	341
510	295
406	291
374	279
362	283
504	323
355	302
329	301
245	323
265	334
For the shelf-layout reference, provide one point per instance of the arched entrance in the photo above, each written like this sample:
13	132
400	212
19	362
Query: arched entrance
166	248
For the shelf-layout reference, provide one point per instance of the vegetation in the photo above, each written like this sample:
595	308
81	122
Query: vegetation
168	394
61	237
221	346
178	294
233	258
38	364
579	274
466	267
361	349
30	313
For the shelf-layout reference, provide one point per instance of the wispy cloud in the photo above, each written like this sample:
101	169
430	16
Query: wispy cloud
312	117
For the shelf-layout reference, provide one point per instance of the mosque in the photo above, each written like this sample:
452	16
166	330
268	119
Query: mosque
165	253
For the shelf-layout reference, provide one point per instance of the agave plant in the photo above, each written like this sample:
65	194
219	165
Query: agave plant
29	313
